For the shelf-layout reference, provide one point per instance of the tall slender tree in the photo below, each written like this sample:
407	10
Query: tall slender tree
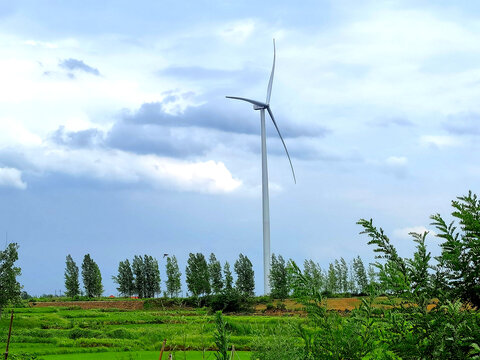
197	275
152	276
372	275
278	278
173	277
9	286
92	278
245	275
360	274
313	272
228	276
344	275
215	274
72	283
332	282
138	269
124	279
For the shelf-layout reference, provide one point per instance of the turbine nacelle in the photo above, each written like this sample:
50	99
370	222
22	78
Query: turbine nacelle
258	107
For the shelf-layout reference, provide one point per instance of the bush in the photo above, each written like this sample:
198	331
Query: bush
229	301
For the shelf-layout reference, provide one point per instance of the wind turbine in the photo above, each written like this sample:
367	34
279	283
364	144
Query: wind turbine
262	106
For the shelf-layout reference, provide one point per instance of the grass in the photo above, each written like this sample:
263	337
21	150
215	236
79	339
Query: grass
144	355
75	333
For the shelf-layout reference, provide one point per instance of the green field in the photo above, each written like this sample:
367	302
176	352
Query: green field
73	333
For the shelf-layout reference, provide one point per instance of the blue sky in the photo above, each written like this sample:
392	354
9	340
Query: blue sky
116	138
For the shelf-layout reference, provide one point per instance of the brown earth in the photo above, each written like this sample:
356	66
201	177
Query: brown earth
335	304
118	304
289	306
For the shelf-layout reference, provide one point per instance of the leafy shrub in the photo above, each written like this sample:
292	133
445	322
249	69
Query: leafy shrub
263	299
229	301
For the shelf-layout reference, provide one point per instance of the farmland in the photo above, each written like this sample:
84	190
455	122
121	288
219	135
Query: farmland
122	330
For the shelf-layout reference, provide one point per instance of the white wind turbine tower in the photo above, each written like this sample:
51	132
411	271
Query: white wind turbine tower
258	105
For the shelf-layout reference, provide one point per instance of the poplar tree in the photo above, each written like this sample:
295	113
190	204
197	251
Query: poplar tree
332	281
215	274
197	275
138	270
152	276
360	274
228	276
124	279
314	274
344	275
173	277
245	275
92	278
278	278
338	277
72	283
9	286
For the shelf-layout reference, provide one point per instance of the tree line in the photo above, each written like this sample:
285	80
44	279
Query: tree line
141	277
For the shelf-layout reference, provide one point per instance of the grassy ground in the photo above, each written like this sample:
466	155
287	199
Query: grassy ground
75	333
145	355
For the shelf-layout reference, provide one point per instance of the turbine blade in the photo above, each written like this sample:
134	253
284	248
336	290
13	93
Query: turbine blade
269	89
254	102
283	142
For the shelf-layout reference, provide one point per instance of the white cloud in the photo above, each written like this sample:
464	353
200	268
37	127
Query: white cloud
47	45
14	133
10	177
440	141
120	166
403	233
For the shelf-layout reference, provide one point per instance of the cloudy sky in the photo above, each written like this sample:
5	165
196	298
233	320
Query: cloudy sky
116	138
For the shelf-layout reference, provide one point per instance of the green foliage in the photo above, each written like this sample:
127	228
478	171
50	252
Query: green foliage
360	275
72	283
245	276
459	262
407	278
278	278
332	280
138	271
146	276
277	343
173	277
328	335
92	279
314	275
221	337
229	301
9	286
228	276
124	279
342	275
197	275
215	274
152	276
